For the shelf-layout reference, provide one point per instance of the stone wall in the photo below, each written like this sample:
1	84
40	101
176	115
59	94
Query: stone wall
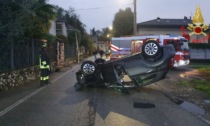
16	78
12	79
69	61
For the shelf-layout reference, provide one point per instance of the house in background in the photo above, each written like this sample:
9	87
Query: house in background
167	26
95	41
60	27
102	45
99	45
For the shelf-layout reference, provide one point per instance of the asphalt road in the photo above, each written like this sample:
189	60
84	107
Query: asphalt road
58	104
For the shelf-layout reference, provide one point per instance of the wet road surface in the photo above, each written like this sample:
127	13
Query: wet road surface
58	104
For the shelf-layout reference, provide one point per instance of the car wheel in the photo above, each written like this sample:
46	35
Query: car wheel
78	86
81	78
99	61
88	68
150	49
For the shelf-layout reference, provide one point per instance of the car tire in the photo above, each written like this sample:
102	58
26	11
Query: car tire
150	49
88	68
160	54
78	86
81	78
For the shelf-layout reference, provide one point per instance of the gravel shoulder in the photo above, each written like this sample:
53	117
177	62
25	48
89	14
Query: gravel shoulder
170	86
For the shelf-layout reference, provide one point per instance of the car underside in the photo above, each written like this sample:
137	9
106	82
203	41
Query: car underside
141	69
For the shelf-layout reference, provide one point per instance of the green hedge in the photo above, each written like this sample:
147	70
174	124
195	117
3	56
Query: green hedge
199	45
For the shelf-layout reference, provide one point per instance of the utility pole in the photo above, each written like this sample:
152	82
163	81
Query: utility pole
134	23
77	48
77	44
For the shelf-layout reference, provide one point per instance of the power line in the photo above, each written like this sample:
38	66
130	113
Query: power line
101	7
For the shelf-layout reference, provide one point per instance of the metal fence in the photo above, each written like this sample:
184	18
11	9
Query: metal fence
18	53
21	53
5	57
203	54
69	51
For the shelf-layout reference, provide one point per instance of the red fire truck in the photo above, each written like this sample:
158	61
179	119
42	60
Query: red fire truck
123	46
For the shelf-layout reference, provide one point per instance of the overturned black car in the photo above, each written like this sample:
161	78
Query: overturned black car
142	68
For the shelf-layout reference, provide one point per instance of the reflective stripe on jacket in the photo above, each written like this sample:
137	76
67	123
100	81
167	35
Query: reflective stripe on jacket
44	62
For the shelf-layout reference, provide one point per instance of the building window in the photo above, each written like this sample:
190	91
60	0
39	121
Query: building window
58	26
58	32
58	29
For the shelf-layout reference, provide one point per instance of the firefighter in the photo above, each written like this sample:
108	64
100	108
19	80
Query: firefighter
101	52
44	64
108	53
95	54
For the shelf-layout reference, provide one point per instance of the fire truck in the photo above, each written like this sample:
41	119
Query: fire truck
125	46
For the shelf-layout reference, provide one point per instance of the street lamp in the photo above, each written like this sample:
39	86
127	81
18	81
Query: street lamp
77	45
108	36
109	32
110	28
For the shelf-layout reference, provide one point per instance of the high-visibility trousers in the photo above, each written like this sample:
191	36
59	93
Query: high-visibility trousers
44	75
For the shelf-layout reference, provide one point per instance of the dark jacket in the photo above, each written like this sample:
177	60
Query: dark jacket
44	59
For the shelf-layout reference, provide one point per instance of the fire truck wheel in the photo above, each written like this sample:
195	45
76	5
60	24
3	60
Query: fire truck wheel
150	49
88	68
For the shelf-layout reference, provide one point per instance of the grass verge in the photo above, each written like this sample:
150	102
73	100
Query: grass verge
200	84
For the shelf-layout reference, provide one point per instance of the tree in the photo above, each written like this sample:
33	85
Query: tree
93	32
11	18
72	34
71	18
88	42
40	18
123	22
26	18
73	21
102	35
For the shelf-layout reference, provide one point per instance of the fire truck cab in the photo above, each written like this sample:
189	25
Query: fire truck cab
182	56
122	46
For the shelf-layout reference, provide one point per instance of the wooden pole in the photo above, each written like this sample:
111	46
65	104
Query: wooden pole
134	23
